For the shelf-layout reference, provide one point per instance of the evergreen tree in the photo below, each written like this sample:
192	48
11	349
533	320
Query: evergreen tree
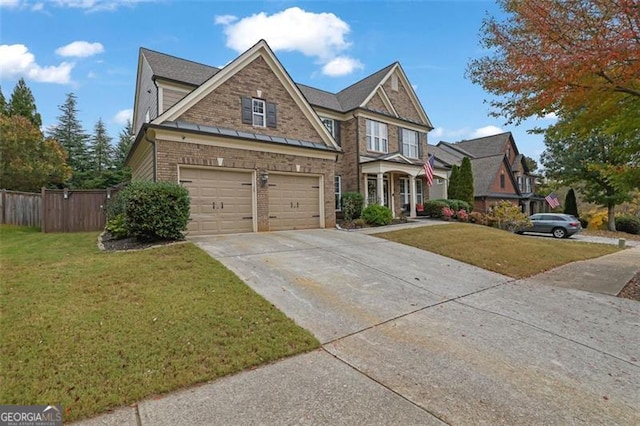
23	103
570	204
121	150
3	103
465	188
71	136
100	149
454	183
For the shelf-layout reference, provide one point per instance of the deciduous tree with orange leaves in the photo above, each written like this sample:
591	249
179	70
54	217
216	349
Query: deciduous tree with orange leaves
563	55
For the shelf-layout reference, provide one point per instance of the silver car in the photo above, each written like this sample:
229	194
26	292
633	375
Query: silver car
557	224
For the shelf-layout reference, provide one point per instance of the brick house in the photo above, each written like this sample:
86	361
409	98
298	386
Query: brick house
259	152
499	171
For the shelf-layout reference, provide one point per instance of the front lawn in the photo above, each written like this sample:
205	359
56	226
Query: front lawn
92	330
514	255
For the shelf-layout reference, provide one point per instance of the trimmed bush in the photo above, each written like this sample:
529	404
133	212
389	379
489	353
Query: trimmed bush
457	205
628	224
377	215
508	217
155	210
352	203
434	208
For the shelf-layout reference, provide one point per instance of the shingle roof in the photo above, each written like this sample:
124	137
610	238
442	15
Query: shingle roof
177	69
484	172
194	73
483	147
443	156
354	95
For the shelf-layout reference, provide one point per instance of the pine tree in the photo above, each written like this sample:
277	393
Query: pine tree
570	204
3	103
71	136
454	183
124	145
100	149
465	189
23	103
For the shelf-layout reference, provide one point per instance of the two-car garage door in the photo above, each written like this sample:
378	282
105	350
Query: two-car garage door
222	201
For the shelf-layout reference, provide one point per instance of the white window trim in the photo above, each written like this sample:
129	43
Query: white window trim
255	114
405	197
410	145
325	121
338	180
377	136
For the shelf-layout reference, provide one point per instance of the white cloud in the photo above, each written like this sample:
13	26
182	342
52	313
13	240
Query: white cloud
550	116
464	133
80	49
341	65
317	35
17	61
122	116
224	19
37	7
486	131
9	3
98	5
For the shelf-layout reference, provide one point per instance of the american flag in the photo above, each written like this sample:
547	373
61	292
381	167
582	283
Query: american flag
552	199
428	170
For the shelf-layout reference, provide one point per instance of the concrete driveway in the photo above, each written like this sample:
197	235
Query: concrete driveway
410	337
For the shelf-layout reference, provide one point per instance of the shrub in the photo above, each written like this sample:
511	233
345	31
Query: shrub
116	226
477	217
155	210
599	220
628	224
115	206
570	204
377	215
583	222
462	215
359	223
508	216
352	203
458	205
434	208
447	213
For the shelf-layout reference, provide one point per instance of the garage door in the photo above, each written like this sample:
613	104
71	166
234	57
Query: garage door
221	200
294	202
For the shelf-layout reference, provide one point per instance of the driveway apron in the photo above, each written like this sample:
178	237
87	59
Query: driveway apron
460	344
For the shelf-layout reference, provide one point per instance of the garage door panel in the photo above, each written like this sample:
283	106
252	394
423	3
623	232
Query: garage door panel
294	202
220	199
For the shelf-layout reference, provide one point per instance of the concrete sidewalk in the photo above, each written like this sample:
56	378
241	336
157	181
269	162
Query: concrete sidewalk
607	274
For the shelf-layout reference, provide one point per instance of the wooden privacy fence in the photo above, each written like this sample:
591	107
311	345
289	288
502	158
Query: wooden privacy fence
65	210
20	208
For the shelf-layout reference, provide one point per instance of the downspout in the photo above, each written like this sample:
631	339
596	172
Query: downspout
155	158
358	173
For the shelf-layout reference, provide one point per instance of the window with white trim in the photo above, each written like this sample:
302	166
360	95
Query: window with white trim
338	192
410	143
405	192
330	124
377	137
258	112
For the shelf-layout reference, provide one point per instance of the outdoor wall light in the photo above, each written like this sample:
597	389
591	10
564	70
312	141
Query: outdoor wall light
264	178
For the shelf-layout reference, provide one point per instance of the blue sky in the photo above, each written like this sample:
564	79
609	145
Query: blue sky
90	48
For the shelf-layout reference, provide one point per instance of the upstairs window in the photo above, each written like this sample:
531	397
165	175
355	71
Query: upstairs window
502	181
377	137
330	124
409	141
258	112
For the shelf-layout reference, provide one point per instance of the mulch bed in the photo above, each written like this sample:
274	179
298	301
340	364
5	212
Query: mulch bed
107	242
632	289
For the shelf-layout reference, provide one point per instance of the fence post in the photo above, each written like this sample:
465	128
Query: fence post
3	204
43	210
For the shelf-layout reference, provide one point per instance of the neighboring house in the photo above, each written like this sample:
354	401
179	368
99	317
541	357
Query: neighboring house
499	171
259	152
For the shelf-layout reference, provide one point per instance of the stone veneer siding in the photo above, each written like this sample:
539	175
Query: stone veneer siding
171	155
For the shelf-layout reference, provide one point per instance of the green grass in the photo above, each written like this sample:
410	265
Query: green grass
93	330
513	255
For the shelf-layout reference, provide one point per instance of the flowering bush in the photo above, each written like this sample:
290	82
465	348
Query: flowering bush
447	213
477	217
462	215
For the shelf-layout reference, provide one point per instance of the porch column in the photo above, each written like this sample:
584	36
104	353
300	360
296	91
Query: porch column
380	189
412	195
366	189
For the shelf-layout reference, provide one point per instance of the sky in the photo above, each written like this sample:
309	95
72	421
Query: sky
90	48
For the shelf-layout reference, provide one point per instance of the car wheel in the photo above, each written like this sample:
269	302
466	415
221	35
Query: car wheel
559	232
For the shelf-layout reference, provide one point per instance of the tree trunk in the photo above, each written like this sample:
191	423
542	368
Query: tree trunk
612	218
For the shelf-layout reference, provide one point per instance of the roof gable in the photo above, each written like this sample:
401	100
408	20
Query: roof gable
178	69
259	50
487	146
